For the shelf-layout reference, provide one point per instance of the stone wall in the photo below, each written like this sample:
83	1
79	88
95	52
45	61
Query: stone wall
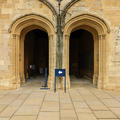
10	11
107	10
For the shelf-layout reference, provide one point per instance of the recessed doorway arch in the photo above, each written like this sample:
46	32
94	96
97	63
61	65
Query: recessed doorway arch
19	30
34	49
99	29
81	57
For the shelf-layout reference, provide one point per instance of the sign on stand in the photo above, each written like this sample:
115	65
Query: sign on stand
60	73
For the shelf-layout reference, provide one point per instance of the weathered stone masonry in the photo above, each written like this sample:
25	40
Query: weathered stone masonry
99	17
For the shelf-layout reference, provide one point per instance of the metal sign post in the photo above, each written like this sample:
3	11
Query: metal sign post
46	77
45	82
60	73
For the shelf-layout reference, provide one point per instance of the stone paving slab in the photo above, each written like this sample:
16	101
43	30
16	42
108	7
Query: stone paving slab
50	106
83	102
108	119
86	116
66	106
24	118
68	114
105	114
48	116
28	110
116	111
4	118
83	110
2	106
9	111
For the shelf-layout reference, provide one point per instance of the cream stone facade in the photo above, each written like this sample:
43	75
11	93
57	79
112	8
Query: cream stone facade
98	17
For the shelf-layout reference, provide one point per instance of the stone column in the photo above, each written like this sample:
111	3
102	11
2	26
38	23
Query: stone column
96	60
102	60
52	60
22	75
66	58
16	39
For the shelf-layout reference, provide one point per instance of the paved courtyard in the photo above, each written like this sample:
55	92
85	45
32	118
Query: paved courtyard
82	102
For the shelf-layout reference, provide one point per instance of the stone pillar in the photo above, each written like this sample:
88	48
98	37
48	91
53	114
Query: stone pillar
21	55
66	58
16	82
102	60
52	61
96	60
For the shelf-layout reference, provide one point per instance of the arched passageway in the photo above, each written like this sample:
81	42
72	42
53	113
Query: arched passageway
33	37
81	56
36	54
92	61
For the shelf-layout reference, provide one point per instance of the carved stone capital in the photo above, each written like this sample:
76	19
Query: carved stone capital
97	37
51	36
102	37
14	36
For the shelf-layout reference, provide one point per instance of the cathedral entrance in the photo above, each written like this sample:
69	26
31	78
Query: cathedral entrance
36	55
81	57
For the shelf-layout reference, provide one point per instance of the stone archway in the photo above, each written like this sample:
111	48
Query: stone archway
18	31
81	57
33	39
99	29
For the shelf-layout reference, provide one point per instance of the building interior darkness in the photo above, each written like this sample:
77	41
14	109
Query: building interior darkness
81	54
36	51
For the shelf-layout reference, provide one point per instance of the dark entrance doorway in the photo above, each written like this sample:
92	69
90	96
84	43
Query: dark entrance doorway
81	55
36	53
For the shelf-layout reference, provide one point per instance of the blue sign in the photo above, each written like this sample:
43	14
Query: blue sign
60	73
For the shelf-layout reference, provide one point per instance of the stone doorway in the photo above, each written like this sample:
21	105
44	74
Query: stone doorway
36	54
99	30
32	24
81	57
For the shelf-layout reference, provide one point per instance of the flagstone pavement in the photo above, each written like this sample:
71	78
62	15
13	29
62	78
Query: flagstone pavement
82	102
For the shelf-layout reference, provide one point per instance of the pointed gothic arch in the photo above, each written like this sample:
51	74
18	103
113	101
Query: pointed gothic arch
18	30
100	30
